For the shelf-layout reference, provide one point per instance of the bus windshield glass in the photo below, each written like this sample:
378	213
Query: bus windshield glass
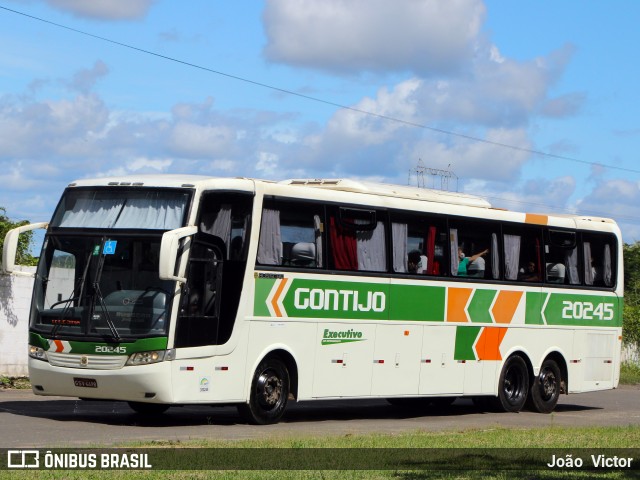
99	286
98	274
157	209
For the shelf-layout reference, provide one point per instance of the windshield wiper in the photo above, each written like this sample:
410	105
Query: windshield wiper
97	295
72	298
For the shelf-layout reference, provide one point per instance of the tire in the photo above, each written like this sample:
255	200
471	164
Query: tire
545	388
514	385
269	393
148	409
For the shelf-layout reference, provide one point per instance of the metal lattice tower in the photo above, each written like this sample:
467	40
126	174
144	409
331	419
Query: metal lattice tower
446	177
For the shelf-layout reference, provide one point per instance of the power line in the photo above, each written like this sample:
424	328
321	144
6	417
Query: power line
324	101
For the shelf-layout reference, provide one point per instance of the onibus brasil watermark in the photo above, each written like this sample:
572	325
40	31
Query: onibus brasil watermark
35	459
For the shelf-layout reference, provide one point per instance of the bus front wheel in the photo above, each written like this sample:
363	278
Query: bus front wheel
514	384
545	388
269	393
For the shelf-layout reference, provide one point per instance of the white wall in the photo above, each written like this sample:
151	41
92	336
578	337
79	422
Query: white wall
15	302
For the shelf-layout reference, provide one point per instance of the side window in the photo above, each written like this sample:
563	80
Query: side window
227	216
523	254
598	259
474	249
199	322
561	258
418	245
291	235
357	240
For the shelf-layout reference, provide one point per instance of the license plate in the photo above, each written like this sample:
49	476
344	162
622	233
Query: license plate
85	382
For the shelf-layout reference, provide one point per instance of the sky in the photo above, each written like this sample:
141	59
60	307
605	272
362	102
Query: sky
531	104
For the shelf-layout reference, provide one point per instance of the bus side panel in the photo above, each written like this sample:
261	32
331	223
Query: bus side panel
294	337
396	360
594	363
343	366
536	343
201	375
440	372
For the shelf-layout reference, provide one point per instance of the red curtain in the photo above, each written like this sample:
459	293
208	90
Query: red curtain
344	248
432	267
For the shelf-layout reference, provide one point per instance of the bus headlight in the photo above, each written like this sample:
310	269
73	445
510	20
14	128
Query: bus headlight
154	356
37	353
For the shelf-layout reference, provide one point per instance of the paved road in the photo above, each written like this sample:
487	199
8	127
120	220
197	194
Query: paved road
30	421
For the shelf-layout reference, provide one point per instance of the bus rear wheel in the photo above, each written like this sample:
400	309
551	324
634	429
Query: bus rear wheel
269	393
545	388
514	385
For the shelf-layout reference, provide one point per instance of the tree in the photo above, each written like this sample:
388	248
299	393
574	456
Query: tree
23	257
631	314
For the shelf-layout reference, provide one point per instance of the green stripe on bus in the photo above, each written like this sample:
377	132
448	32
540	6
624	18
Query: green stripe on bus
91	347
263	287
533	312
465	338
417	302
480	305
334	299
338	299
582	310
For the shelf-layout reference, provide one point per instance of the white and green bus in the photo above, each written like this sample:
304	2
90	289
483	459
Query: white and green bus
175	290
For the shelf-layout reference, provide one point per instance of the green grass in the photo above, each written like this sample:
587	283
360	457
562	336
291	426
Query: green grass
630	374
498	437
21	383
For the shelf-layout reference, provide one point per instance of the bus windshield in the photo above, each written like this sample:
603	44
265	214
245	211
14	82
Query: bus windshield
155	209
107	287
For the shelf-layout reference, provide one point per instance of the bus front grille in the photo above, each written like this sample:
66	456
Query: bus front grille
96	362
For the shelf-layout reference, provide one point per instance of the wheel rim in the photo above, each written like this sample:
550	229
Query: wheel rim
513	385
269	389
548	384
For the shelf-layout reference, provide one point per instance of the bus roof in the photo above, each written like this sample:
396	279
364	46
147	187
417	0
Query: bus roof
203	182
388	190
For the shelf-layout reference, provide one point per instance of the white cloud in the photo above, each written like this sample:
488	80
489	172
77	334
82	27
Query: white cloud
139	165
150	164
617	199
104	9
84	80
373	35
40	129
267	164
201	141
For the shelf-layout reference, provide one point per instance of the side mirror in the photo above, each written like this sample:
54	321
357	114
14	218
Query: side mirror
169	252
11	248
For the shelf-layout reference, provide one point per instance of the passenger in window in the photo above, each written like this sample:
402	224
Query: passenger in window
463	266
476	267
530	274
417	263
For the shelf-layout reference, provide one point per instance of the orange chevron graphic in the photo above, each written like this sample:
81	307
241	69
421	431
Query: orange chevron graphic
505	306
488	345
59	346
276	297
457	300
